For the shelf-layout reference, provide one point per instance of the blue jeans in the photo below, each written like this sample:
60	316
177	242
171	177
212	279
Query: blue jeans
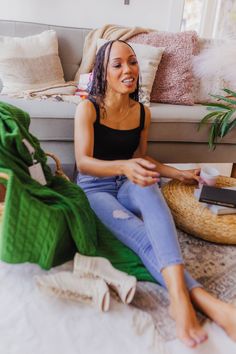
140	218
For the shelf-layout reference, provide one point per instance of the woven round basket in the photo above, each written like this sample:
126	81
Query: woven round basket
195	218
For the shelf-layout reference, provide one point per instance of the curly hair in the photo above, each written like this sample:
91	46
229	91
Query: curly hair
98	84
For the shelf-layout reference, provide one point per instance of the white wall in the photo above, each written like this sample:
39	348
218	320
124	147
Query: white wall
157	14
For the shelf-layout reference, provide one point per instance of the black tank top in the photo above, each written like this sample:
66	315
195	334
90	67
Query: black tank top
115	144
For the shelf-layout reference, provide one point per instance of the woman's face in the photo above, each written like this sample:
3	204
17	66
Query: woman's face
122	69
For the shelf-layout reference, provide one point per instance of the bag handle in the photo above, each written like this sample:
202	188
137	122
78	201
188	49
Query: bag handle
59	171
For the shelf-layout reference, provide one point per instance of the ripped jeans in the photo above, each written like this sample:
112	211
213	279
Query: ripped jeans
140	218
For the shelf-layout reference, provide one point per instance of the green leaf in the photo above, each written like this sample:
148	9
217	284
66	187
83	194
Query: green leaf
213	136
205	119
230	92
221	122
218	125
230	126
220	116
223	98
216	105
225	123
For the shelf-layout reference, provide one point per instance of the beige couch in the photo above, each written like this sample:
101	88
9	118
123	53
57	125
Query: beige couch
173	135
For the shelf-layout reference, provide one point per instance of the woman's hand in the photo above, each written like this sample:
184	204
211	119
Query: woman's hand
141	172
188	176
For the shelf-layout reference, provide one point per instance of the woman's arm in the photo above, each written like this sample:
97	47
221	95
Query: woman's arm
137	170
85	117
187	176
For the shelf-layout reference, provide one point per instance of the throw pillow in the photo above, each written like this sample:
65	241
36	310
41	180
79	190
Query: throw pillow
148	58
30	62
174	78
213	69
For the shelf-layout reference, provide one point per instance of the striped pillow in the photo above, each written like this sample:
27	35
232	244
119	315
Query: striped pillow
30	63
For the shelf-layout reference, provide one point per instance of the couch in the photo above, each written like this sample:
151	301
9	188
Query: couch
173	135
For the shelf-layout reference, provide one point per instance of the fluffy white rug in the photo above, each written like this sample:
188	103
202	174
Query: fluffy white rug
218	60
32	322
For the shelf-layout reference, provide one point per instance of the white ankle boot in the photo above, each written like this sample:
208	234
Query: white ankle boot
98	267
68	286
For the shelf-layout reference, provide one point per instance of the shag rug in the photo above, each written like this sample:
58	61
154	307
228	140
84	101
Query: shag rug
213	265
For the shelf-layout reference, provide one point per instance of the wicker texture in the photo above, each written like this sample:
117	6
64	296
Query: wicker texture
195	218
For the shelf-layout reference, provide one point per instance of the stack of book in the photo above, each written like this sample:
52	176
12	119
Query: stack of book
220	201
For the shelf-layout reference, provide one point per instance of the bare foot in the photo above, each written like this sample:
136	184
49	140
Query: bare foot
226	318
222	313
188	329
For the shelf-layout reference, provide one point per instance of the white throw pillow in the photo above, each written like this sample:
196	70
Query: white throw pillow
148	58
30	62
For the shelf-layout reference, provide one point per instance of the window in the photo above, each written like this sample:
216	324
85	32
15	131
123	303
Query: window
226	25
210	18
192	15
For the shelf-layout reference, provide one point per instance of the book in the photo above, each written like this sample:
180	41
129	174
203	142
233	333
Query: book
219	196
216	209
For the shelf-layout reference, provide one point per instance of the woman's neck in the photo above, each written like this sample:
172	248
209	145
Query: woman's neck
117	102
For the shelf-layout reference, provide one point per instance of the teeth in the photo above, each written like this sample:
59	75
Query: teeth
128	80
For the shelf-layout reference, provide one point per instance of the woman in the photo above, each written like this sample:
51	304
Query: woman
120	181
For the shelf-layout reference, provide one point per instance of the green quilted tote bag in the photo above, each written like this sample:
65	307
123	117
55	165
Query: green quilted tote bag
30	230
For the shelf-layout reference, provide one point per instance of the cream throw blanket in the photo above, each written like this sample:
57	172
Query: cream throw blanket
64	92
110	32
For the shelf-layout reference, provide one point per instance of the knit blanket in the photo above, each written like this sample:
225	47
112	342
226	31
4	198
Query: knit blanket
46	224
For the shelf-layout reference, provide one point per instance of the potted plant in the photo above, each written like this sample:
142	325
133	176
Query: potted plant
222	116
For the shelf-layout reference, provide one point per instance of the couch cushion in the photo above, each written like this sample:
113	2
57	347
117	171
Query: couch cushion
50	120
53	109
53	121
173	135
177	113
179	123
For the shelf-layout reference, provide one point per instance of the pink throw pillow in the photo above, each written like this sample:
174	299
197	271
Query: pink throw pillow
174	78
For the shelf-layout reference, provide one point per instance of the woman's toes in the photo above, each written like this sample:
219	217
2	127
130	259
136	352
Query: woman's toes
203	338
188	329
199	336
188	341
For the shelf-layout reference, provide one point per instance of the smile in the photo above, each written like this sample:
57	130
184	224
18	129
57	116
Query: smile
128	81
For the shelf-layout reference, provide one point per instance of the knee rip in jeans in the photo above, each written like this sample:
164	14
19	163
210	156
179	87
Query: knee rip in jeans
120	214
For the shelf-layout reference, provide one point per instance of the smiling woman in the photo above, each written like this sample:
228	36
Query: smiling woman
149	58
120	181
